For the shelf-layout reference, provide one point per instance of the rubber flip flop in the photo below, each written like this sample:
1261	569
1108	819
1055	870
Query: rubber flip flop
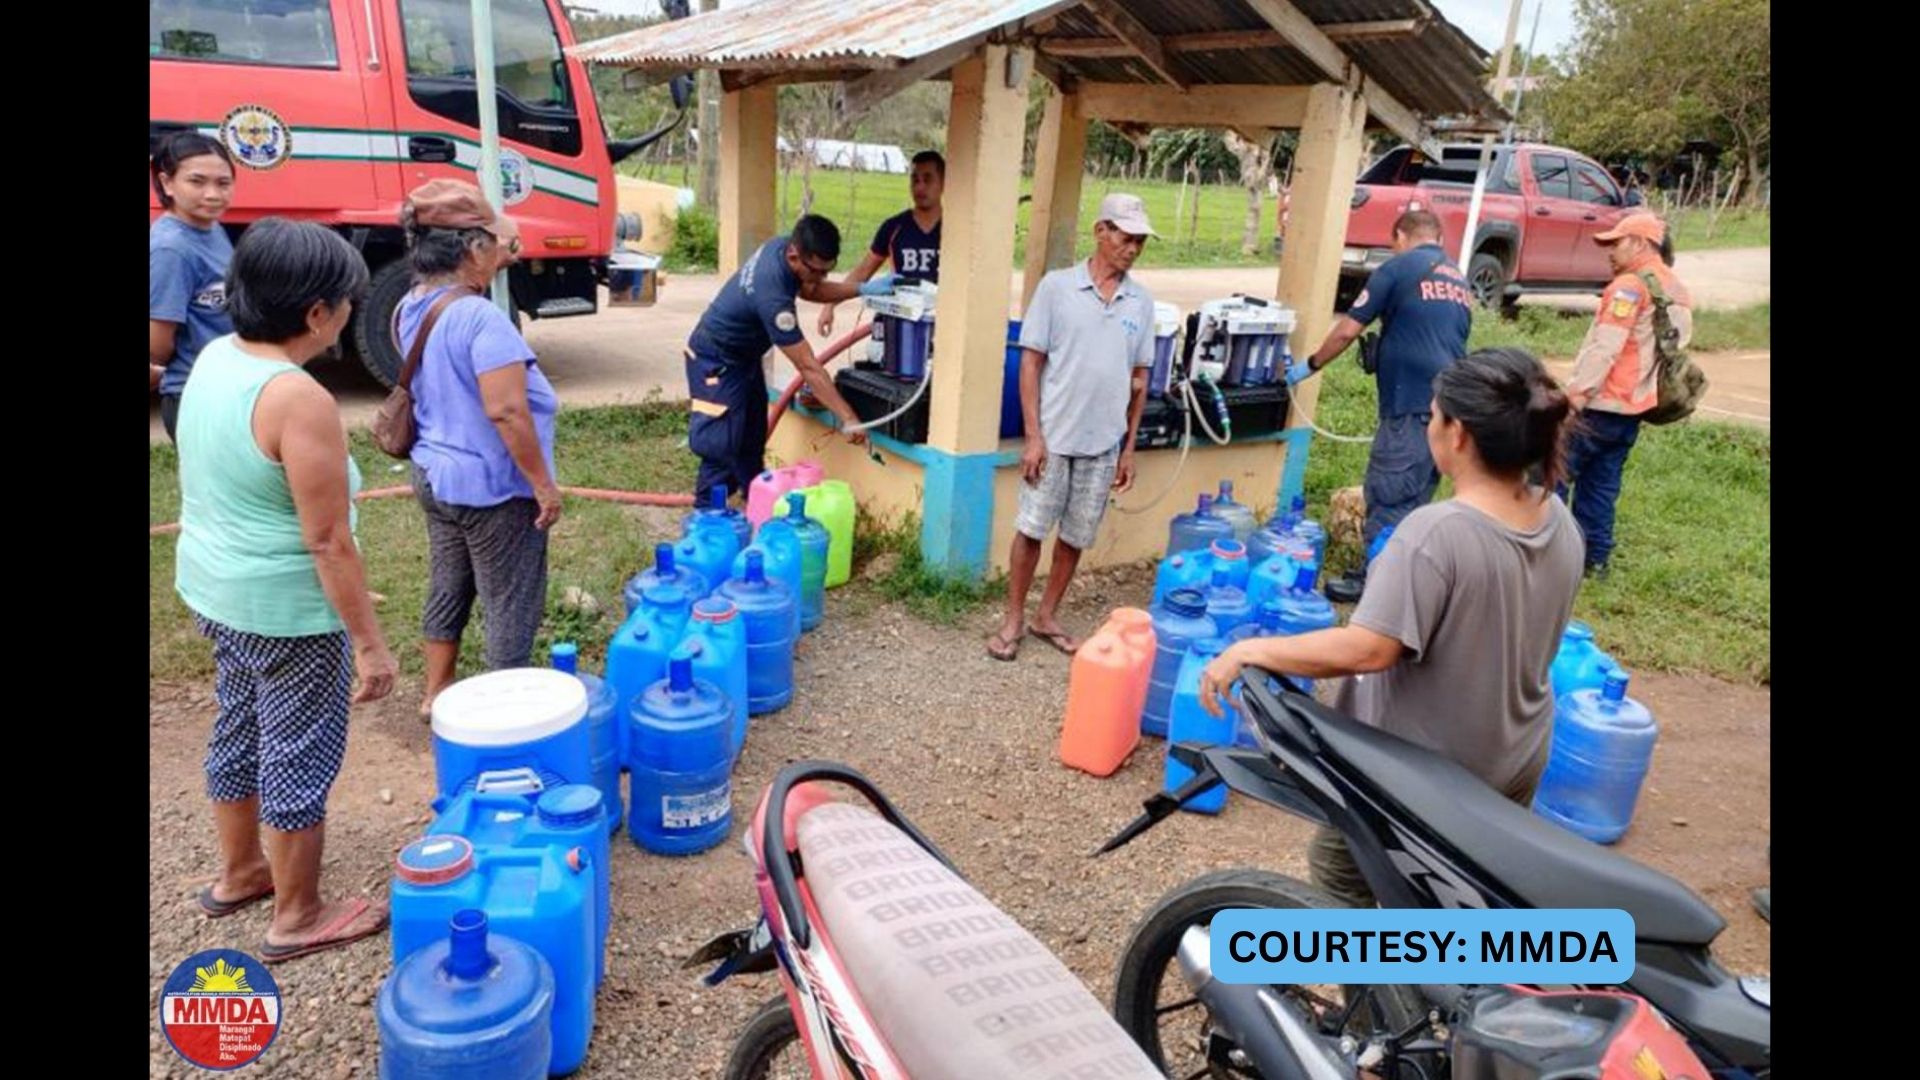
1011	647
1056	638
333	935
215	908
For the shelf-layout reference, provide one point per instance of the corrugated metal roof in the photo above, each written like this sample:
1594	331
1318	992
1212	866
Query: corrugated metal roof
806	33
1437	71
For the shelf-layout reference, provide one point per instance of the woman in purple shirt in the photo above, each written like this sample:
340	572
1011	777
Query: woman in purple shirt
483	462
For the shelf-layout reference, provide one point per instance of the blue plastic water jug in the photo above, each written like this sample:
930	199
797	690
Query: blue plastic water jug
1198	530
666	570
637	655
1186	570
716	641
603	725
814	541
1191	722
1602	745
718	510
709	548
1227	603
682	797
1309	530
536	895
516	811
1579	663
1270	578
1177	622
785	561
1237	514
772	620
469	1004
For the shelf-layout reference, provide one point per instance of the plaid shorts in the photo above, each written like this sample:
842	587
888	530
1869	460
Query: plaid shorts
1072	493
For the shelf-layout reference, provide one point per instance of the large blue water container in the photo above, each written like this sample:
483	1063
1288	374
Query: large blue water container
784	559
1309	530
1198	530
666	570
1268	540
1238	514
536	895
637	655
682	796
1187	570
716	642
1013	422
1579	663
510	812
469	1004
603	724
1226	602
1302	610
1267	621
1231	556
1178	622
1271	577
1191	722
709	548
512	719
814	541
1602	745
718	510
772	620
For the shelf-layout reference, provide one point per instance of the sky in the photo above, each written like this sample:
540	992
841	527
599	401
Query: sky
1485	21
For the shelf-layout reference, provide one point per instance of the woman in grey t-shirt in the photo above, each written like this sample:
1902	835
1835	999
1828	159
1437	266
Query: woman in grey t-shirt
1451	644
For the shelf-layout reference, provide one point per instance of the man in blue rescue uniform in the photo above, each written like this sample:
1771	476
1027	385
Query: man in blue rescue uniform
726	381
910	240
1426	311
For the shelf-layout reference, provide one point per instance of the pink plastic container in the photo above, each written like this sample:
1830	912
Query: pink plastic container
766	489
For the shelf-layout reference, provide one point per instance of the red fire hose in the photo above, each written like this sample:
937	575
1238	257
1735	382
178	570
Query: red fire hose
630	498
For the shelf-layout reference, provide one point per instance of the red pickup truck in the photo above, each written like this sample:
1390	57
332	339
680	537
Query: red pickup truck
1542	207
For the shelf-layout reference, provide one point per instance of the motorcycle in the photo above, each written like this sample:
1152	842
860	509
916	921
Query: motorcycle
1425	833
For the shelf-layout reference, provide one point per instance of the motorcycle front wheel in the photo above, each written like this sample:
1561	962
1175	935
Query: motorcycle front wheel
1152	1001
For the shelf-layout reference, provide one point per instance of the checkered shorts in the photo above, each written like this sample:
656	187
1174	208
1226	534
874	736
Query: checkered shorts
282	728
1072	493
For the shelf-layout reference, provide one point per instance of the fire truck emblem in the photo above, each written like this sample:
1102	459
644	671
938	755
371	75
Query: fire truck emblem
256	137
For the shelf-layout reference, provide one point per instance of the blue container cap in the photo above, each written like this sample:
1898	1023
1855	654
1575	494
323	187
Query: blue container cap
570	805
796	505
1191	603
1205	504
434	860
756	566
717	497
1303	579
1226	490
565	656
467	945
663	558
680	672
1616	687
1300	505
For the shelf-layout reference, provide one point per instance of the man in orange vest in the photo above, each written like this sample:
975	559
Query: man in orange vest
1616	377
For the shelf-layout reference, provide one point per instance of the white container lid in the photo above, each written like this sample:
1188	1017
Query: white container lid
507	708
1166	318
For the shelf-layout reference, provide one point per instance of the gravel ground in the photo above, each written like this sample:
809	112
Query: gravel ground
964	745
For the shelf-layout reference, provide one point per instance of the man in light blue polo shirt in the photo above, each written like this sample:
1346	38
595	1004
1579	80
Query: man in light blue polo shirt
1087	342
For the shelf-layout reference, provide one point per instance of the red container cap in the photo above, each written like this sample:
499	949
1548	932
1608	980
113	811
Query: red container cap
434	860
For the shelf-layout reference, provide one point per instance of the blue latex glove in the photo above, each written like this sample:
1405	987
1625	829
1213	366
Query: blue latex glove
1297	372
879	286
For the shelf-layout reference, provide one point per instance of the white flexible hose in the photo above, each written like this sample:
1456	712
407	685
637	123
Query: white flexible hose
901	411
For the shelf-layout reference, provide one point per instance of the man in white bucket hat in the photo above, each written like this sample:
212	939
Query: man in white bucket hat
1086	343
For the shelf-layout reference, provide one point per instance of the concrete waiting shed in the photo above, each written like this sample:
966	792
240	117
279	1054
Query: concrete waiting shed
1328	68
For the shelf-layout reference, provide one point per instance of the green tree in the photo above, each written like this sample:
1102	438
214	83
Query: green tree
1646	76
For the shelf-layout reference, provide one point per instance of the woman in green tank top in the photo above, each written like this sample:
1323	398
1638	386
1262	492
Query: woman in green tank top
267	561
